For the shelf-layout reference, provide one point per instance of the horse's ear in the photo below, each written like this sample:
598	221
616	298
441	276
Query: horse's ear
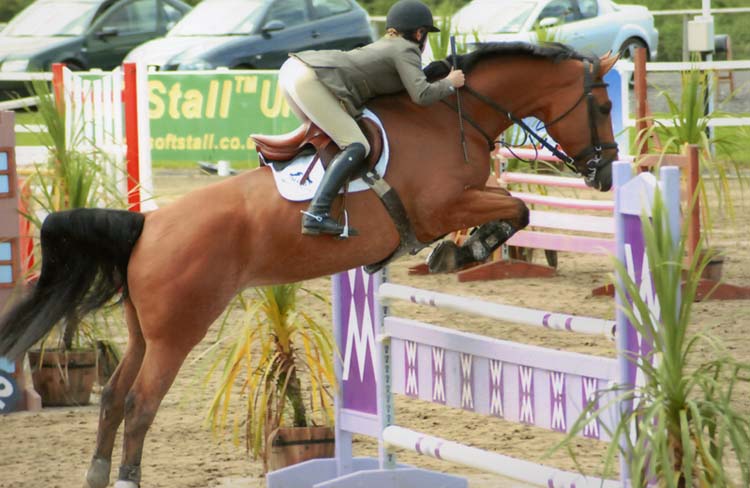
606	62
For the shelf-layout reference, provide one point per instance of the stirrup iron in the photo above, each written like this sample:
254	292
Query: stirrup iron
318	218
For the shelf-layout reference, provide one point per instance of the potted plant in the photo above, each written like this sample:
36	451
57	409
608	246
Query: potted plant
684	429
688	124
64	368
279	364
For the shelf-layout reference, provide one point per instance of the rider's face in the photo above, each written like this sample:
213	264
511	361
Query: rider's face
421	36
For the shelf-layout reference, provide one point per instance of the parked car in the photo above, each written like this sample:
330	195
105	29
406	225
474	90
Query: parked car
589	26
83	34
247	34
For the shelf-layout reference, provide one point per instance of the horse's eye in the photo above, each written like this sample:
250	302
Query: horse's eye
606	108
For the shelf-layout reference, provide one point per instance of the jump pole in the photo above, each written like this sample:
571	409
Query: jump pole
380	354
520	315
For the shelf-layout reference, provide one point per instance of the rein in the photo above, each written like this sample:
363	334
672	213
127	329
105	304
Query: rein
596	148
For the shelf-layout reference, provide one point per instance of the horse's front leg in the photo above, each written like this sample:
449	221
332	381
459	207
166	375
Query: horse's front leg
497	215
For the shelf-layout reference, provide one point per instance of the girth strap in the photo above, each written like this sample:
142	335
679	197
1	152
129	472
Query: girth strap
408	242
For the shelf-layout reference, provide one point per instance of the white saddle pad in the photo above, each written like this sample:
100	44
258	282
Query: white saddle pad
288	179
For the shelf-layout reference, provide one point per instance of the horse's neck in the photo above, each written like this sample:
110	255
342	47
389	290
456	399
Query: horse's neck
517	84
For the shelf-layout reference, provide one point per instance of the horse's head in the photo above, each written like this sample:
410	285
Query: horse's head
584	128
568	95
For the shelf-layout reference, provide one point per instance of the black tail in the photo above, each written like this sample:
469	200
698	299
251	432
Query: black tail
85	254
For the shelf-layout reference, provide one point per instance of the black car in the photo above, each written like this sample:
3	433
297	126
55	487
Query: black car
246	34
83	34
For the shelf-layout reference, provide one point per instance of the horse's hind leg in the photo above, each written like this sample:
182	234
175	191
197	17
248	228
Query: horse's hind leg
113	401
510	216
161	363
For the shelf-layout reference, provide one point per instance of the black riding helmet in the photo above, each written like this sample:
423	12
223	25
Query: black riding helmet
410	15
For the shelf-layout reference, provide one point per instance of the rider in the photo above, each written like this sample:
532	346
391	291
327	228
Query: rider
330	88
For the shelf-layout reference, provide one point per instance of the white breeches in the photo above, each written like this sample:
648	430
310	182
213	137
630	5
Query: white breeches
309	99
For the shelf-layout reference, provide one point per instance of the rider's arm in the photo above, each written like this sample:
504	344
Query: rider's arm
409	67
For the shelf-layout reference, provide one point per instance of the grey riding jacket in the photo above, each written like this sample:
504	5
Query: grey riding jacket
384	67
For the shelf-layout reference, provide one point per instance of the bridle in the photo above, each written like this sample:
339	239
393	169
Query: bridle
589	161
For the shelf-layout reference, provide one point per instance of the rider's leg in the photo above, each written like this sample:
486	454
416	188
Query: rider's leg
288	73
319	105
317	219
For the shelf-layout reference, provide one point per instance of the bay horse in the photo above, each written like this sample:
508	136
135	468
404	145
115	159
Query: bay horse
178	267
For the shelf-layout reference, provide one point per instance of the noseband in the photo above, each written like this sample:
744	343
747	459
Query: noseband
592	155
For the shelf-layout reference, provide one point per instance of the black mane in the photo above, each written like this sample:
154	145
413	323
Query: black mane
552	50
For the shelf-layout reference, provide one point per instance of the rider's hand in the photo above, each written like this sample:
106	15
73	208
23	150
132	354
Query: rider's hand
457	78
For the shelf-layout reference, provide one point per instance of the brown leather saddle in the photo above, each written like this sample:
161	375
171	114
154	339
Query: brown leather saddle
285	147
277	150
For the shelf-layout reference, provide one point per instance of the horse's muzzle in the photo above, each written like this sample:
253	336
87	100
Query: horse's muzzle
599	176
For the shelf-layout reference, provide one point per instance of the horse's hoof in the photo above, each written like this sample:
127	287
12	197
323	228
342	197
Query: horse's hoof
126	484
444	258
98	474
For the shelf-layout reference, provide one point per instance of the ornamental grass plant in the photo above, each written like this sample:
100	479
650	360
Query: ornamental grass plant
275	369
687	122
76	174
685	428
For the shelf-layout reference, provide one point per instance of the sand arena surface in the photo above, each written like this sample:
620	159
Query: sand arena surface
52	448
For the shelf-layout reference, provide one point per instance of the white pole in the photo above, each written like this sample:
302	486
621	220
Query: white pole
517	469
506	313
146	181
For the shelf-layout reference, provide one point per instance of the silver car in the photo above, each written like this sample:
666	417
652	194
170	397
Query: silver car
589	26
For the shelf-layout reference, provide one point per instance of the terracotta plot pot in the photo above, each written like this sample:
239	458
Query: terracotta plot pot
292	445
63	378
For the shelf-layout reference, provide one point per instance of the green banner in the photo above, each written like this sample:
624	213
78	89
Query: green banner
209	116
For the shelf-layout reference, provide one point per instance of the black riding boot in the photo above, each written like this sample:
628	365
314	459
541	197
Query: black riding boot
317	219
